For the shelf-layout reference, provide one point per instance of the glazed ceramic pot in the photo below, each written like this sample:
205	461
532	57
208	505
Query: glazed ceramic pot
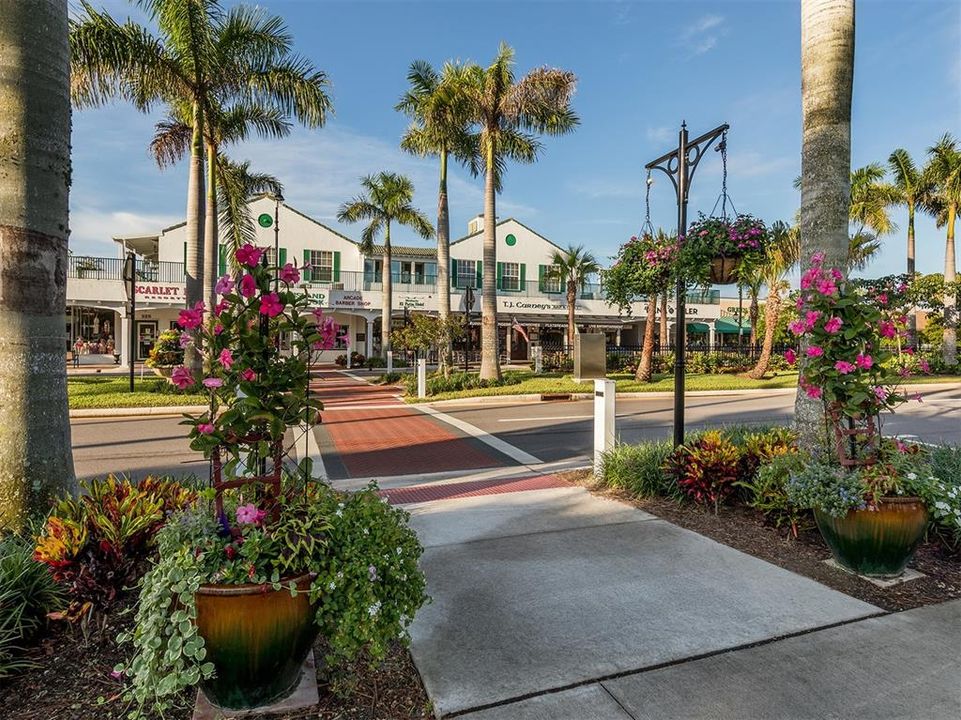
257	638
876	543
724	269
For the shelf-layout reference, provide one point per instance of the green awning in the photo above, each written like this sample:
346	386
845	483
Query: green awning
723	325
697	327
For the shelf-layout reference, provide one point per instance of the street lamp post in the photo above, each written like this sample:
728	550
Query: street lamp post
278	198
679	165
130	277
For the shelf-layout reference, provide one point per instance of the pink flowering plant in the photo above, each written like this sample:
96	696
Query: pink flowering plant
256	389
744	236
645	266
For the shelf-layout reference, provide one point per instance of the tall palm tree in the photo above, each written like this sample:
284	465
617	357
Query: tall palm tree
780	256
509	113
437	106
827	76
387	200
573	267
943	170
910	188
204	57
36	462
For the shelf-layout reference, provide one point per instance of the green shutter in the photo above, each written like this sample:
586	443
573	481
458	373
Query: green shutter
336	266
480	274
223	260
453	273
283	256
541	275
500	276
523	285
185	257
306	263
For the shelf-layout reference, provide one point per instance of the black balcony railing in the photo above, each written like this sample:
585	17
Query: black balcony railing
99	268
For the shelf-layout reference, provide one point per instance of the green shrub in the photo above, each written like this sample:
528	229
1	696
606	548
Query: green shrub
762	447
357	360
388	378
706	467
639	469
767	491
458	381
27	593
166	351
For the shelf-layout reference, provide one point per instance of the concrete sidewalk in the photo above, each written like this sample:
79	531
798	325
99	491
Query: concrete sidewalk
541	596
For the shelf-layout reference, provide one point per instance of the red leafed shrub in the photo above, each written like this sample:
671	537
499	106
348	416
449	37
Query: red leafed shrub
706	468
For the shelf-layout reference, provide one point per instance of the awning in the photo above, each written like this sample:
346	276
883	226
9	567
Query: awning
697	327
730	327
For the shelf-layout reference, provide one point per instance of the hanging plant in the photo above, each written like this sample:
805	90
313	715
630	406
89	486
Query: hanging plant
725	243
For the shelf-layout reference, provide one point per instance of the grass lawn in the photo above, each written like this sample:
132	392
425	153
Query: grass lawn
560	383
113	392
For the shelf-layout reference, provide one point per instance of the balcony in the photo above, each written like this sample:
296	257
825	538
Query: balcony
84	267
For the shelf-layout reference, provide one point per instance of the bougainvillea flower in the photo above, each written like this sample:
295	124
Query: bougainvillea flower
813	391
864	361
811	317
213	382
880	393
290	274
833	325
182	377
248	286
270	305
191	317
790	356
205	428
250	514
826	286
226	358
248	375
844	367
220	307
887	329
249	255
814	351
225	284
797	327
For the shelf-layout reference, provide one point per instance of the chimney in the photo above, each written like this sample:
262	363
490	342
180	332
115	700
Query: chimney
475	225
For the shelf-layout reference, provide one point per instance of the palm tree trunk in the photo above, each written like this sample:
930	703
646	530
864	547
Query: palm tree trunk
645	367
571	304
490	368
194	234
211	234
36	462
443	268
827	74
912	315
772	311
665	340
754	312
386	295
949	348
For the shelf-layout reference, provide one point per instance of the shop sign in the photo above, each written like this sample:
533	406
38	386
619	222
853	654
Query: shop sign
168	293
318	298
414	303
526	305
350	300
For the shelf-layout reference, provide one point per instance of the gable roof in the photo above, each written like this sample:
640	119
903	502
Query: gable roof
502	222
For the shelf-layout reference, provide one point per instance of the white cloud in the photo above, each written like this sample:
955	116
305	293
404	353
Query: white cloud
608	189
703	34
660	134
91	228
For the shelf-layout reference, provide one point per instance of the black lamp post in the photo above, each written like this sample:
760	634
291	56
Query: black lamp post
278	198
679	165
130	277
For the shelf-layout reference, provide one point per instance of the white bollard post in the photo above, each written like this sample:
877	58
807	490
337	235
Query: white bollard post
390	361
603	420
538	359
348	357
422	378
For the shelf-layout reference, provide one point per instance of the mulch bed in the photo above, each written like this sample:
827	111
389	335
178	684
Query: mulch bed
742	528
72	681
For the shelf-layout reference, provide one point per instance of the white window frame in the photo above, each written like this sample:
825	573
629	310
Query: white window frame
511	281
553	282
321	271
462	273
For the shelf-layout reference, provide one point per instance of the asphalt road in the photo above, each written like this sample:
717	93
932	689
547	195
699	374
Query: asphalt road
549	431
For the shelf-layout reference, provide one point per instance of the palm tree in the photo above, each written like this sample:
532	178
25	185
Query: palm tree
910	189
436	104
36	462
509	114
862	247
827	75
236	185
943	171
870	199
387	200
780	256
573	267
203	58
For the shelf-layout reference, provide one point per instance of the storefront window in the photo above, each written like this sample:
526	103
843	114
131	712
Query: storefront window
466	274
321	266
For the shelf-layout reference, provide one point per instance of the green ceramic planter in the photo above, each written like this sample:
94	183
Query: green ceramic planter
257	638
877	543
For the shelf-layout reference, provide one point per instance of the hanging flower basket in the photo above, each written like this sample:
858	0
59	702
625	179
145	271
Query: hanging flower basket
722	244
724	269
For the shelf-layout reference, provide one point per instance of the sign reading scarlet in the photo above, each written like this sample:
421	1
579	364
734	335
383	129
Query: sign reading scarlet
170	293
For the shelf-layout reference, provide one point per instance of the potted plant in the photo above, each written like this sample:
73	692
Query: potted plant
166	354
245	580
725	243
868	494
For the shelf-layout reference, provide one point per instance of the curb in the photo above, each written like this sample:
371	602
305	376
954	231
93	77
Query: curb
136	411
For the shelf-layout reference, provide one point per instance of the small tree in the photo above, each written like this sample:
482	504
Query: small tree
425	333
573	267
645	267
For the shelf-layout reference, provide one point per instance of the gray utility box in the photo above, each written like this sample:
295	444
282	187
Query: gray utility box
590	356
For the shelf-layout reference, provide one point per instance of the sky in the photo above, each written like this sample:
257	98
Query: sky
642	68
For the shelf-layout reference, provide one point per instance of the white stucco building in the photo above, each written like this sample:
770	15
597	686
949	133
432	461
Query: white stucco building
347	284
